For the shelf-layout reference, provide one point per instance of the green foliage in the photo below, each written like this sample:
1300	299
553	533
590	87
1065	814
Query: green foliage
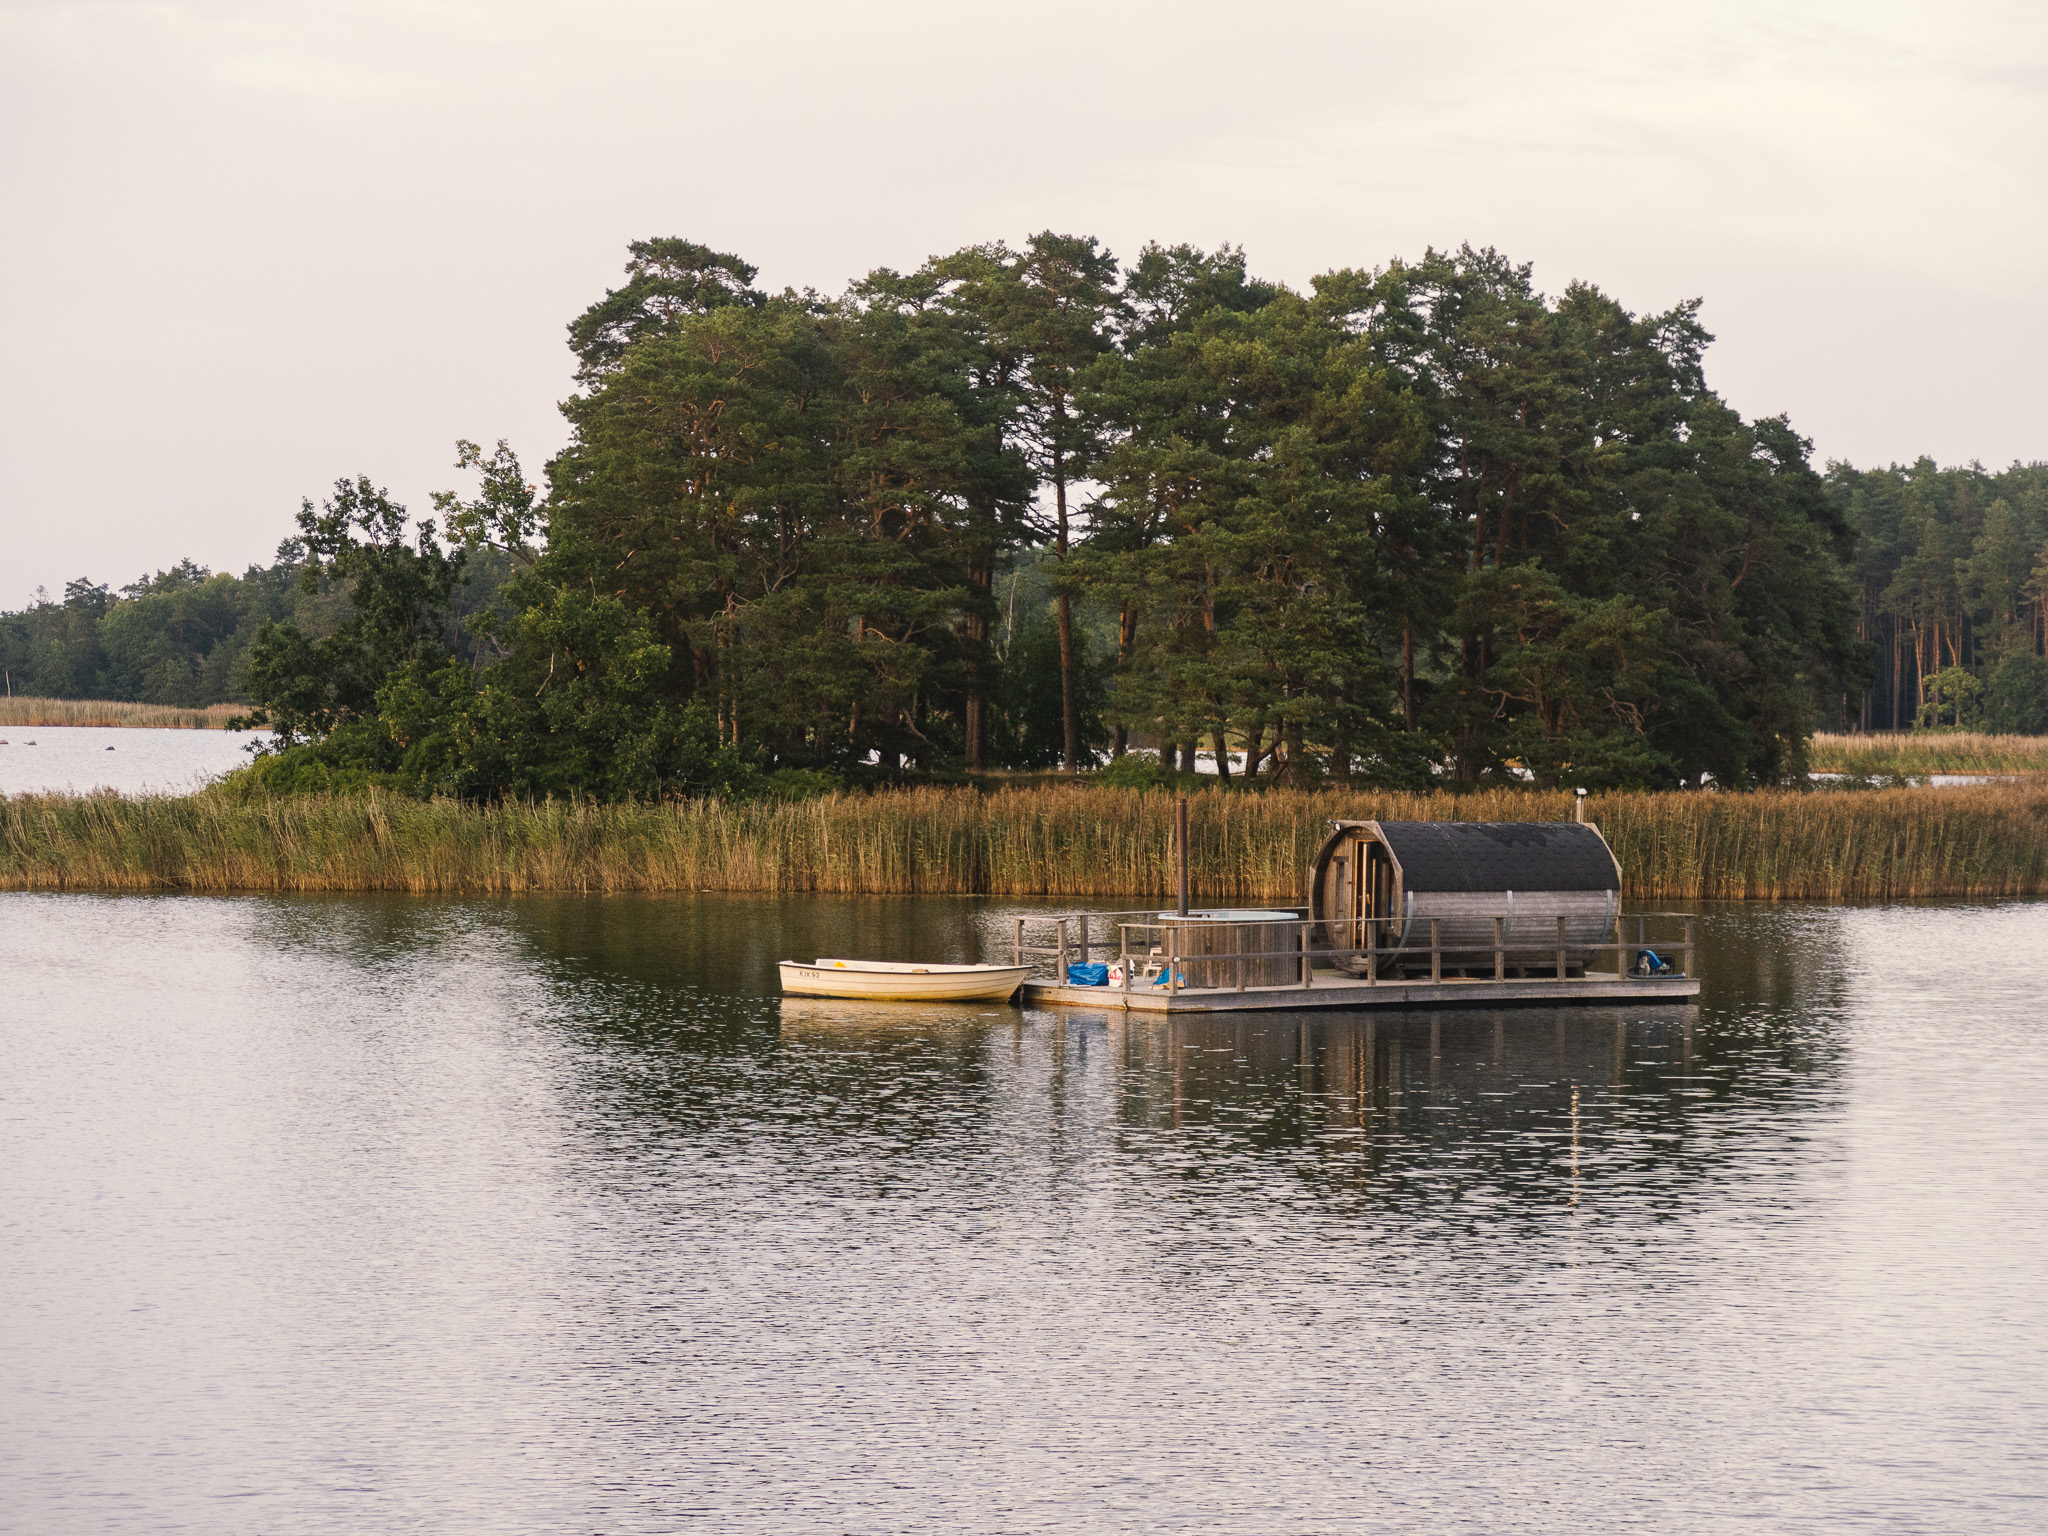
668	281
1418	523
1028	725
1565	676
579	709
789	784
2016	697
1951	571
808	500
1576	436
309	768
1144	770
1391	759
1046	315
181	637
399	600
1262	460
1952	699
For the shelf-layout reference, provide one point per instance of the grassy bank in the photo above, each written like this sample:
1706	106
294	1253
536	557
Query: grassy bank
1910	753
1987	840
32	712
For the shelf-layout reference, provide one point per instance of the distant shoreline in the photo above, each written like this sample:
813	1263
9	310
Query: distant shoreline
29	712
1877	754
1870	754
1062	842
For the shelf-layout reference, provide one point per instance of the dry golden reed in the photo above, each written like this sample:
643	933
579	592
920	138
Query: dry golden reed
1070	842
34	712
1876	755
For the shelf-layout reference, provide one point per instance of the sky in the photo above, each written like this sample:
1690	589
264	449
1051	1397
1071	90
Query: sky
249	248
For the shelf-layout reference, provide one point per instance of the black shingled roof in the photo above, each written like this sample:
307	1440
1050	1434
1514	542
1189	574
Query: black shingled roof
1500	856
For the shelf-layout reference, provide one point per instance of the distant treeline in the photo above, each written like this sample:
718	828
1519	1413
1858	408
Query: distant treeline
1952	575
1032	507
180	638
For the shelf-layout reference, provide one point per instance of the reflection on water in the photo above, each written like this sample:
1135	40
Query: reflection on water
547	1215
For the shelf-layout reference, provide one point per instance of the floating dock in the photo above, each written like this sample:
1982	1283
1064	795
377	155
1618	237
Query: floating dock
1400	915
1337	989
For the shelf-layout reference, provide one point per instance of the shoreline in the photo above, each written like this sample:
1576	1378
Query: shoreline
31	714
1057	842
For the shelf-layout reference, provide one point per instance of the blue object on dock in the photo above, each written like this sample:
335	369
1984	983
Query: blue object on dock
1088	975
1650	963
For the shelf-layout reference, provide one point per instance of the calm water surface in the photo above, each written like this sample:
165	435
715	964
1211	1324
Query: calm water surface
131	760
546	1216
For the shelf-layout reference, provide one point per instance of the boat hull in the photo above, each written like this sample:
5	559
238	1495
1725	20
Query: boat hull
934	983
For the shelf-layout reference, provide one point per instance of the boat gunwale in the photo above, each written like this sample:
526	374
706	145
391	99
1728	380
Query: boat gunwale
903	968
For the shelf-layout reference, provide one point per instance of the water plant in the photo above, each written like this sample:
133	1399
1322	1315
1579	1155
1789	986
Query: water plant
19	711
1061	842
1882	754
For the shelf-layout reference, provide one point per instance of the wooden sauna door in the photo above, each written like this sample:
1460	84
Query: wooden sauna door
1372	890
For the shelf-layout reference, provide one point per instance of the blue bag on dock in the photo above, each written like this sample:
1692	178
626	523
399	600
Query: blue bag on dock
1088	975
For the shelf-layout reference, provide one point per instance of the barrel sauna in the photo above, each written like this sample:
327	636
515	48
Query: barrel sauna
1207	941
1397	875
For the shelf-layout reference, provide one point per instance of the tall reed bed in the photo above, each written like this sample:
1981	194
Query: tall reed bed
1905	753
1070	842
33	712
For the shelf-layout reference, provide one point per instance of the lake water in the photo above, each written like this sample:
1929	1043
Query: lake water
348	1215
132	760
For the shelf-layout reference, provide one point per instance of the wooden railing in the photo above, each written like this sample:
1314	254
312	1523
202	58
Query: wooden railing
1074	942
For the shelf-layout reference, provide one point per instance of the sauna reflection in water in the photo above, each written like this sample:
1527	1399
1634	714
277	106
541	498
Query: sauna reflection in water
548	1214
1493	1097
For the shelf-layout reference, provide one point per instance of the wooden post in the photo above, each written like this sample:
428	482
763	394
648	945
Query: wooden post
1371	1075
1173	960
1620	948
1560	946
1688	945
1308	960
1017	944
1500	958
1436	953
1180	844
1372	959
1062	926
1084	938
1123	942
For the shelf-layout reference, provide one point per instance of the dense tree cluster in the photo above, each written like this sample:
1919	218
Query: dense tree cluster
178	637
181	637
1031	508
1952	575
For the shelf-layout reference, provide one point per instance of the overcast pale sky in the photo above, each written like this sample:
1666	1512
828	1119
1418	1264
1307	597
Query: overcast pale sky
250	247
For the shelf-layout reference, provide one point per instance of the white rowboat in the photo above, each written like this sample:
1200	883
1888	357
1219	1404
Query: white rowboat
883	979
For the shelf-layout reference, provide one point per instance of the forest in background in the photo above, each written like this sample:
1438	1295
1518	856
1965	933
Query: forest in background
1028	508
180	638
1952	582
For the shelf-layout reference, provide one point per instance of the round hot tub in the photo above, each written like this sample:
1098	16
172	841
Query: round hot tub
1221	946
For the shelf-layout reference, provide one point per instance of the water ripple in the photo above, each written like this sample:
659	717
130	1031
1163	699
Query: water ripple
327	1214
